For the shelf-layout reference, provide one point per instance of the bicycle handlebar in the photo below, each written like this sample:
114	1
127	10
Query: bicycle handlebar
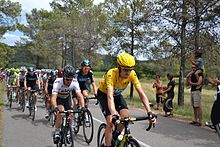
131	119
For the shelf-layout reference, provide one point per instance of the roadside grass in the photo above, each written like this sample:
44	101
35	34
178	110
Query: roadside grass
181	112
1	112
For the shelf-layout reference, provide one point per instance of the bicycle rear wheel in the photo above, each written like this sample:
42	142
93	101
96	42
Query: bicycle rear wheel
88	126
132	143
101	135
215	113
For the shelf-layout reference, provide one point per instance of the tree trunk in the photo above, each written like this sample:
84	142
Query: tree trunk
37	62
183	53
132	53
197	25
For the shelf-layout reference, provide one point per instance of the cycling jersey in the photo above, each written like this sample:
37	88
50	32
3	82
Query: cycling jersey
50	82
84	80
12	79
62	90
31	79
21	77
112	80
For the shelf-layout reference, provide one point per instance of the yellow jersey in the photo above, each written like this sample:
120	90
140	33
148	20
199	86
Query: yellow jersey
112	80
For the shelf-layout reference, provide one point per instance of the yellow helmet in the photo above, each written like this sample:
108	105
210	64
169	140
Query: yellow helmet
126	60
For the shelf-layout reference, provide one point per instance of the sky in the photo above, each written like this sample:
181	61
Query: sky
27	5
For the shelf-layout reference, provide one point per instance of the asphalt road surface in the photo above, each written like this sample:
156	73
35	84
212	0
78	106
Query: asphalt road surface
21	131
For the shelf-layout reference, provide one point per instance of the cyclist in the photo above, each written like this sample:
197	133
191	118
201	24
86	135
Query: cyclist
215	113
21	77
85	79
48	90
61	99
110	89
59	72
31	82
12	80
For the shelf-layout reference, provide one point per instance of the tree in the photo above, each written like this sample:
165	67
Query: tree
178	21
8	16
7	53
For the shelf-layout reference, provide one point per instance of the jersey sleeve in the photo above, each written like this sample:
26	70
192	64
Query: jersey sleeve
135	80
76	87
109	78
55	87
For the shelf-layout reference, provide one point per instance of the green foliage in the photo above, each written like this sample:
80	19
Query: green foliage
8	13
6	55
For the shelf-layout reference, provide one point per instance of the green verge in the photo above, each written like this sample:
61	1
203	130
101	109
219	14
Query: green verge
1	112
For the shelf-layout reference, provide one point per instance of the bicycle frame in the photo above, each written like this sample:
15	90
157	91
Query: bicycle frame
66	125
127	137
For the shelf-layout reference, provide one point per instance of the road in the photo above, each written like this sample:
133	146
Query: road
21	131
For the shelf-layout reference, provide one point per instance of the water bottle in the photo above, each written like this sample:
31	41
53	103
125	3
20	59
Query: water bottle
119	139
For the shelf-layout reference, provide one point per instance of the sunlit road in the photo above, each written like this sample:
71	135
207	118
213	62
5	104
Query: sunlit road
20	131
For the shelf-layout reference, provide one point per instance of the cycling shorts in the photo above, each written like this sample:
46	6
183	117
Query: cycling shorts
67	102
21	83
119	101
33	86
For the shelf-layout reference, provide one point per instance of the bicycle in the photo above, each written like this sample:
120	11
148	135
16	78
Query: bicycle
23	99
215	119
51	116
12	95
124	138
66	133
32	104
84	118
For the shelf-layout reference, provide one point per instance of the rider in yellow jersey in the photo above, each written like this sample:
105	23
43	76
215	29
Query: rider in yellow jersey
109	92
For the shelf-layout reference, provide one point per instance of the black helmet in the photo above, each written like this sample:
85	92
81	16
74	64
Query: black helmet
85	63
69	71
30	69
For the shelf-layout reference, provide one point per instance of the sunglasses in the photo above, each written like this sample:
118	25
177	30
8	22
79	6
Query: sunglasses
86	68
68	79
127	69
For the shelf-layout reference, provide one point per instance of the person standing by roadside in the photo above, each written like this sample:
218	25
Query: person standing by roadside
196	96
158	85
170	93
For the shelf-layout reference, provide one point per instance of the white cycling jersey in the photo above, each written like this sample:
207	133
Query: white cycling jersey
62	90
21	77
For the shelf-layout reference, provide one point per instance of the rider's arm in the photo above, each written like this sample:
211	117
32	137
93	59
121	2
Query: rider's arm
25	83
46	88
53	100
94	88
81	99
143	98
110	98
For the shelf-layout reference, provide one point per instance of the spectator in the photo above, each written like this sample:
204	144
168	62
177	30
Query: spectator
170	93
196	96
196	60
158	85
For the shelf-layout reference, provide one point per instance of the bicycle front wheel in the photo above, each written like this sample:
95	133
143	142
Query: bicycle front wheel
69	138
132	143
88	127
10	99
101	135
23	101
76	121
